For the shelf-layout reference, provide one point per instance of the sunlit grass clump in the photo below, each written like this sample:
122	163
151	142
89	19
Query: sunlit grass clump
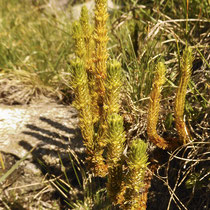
34	49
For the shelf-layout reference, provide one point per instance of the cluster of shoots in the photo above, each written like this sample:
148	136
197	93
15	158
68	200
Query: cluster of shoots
97	84
155	97
134	182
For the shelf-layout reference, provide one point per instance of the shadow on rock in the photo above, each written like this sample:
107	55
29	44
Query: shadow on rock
55	151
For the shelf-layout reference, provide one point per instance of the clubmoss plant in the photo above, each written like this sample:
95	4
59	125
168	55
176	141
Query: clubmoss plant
87	36
97	82
111	105
83	102
155	97
115	147
154	107
87	33
113	87
186	66
137	161
100	55
103	91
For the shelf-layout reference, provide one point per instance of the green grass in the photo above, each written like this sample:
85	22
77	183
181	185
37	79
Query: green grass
34	44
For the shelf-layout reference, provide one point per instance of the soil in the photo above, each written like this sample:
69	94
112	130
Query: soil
52	130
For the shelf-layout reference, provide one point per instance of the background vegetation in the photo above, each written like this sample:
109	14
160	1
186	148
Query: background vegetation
36	47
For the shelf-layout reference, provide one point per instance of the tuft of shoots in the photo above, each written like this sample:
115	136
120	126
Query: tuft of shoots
113	87
82	102
94	59
186	66
87	32
111	105
115	139
134	186
100	55
115	147
154	107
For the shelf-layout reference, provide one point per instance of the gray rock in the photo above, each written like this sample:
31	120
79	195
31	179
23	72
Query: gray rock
58	4
61	5
76	9
51	127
